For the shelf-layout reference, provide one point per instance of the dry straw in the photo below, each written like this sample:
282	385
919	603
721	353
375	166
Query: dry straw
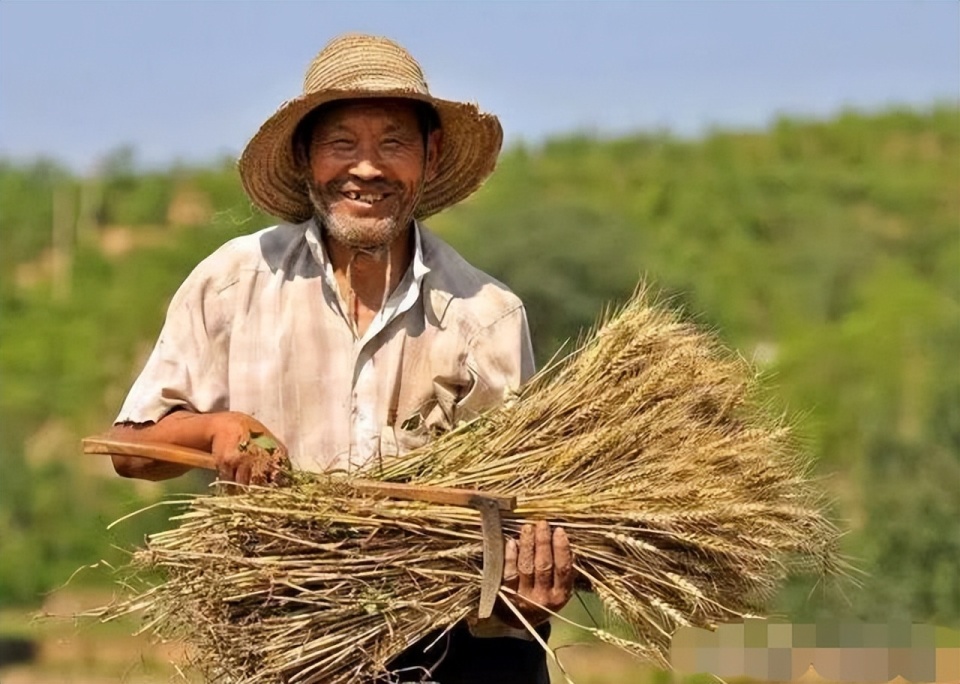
685	500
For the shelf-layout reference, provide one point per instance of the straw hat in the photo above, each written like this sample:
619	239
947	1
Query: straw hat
354	67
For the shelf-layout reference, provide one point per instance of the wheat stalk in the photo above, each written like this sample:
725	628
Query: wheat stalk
685	500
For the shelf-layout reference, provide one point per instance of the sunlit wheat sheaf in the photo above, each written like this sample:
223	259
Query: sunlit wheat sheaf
685	499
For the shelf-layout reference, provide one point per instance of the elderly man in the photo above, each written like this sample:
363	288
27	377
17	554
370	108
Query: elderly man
349	333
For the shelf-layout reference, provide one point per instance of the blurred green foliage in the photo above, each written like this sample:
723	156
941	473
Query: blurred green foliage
827	251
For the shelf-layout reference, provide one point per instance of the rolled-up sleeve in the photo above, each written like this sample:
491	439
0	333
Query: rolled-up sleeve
188	365
499	360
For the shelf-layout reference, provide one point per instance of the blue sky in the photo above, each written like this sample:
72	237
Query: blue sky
193	80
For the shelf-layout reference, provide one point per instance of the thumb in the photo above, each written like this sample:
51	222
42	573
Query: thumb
511	574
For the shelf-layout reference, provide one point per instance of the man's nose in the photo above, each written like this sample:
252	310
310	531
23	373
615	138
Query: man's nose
367	167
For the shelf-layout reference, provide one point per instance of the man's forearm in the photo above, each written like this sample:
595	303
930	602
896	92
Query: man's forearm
185	428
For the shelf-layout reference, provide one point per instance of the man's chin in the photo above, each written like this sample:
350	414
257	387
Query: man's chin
361	233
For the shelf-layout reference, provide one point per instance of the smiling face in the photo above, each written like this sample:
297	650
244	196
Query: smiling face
367	165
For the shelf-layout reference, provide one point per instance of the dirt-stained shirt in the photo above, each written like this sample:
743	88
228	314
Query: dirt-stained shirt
259	327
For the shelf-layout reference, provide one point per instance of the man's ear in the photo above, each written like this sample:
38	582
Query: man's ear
301	155
302	142
434	144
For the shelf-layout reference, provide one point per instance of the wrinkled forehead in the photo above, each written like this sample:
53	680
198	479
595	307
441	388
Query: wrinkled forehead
395	112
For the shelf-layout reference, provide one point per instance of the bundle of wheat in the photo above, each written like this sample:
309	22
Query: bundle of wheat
685	500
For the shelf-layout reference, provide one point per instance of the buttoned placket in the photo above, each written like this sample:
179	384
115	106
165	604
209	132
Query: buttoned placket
374	357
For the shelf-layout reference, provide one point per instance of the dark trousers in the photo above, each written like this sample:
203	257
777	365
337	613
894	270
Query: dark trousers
473	660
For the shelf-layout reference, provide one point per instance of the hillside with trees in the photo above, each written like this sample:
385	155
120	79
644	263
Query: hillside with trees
828	252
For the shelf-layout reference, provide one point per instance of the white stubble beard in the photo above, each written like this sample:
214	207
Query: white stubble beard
368	235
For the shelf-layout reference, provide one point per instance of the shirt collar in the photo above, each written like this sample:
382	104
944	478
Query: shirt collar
319	251
420	267
406	292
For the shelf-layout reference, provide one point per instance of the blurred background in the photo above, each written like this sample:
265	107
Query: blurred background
788	173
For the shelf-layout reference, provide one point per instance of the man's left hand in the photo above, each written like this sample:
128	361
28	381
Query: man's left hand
540	569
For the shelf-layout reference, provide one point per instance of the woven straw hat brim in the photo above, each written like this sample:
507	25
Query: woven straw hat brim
468	154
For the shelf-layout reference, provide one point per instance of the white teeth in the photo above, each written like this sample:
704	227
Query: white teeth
369	199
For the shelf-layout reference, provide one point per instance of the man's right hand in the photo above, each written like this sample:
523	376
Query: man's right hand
246	452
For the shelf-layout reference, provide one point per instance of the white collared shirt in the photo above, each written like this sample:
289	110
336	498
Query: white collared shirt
258	327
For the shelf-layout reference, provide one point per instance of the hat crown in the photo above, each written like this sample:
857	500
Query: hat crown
358	62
